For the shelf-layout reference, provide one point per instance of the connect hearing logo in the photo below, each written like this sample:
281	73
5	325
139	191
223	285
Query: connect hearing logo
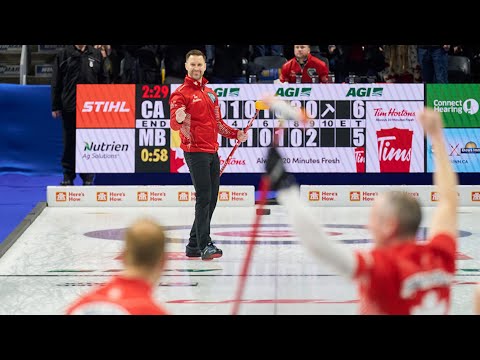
469	106
365	92
293	92
224	92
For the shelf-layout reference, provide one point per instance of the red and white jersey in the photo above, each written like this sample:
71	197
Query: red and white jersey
313	66
408	278
199	131
120	296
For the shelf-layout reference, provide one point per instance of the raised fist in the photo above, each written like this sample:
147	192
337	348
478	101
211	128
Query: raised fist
180	114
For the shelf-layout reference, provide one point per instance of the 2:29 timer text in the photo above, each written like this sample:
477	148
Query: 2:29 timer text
155	91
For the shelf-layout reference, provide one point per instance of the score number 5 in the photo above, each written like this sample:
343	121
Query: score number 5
358	137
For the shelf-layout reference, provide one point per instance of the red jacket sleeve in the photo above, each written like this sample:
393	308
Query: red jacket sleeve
177	100
223	128
284	73
444	242
322	71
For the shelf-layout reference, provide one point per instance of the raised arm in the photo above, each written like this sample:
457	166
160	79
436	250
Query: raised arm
444	178
224	129
312	235
57	83
177	111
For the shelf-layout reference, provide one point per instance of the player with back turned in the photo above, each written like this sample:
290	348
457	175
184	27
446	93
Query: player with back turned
195	113
398	275
130	293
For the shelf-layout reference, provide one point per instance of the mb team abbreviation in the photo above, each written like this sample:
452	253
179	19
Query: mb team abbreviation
152	137
105	147
105	106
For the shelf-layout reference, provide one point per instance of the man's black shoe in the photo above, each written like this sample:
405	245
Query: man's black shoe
87	179
66	181
192	251
211	252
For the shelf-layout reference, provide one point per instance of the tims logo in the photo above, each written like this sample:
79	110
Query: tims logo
142	195
105	106
355	195
314	196
293	92
60	196
102	196
224	92
224	196
365	92
434	196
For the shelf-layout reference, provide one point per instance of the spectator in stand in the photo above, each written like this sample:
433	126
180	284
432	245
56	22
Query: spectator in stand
433	61
304	66
267	50
316	51
141	64
401	64
112	67
227	64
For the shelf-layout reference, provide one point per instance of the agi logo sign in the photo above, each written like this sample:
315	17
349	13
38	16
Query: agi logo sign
365	92
293	92
224	92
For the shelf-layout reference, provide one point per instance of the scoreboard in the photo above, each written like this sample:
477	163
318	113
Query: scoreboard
350	128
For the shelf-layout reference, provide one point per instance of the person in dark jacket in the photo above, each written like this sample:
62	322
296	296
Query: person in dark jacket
227	64
433	60
74	64
141	64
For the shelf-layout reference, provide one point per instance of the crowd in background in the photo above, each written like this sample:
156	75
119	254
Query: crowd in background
236	63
